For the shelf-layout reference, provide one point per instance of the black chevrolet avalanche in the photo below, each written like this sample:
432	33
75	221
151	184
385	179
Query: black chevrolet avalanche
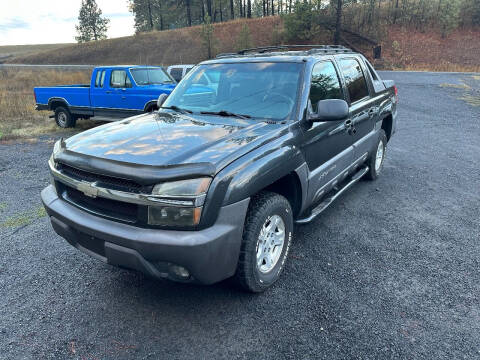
210	185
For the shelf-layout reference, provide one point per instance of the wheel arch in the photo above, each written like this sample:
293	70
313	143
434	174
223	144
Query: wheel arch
387	125
150	106
290	187
54	103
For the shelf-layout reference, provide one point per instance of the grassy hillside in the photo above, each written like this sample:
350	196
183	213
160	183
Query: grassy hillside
403	48
160	47
8	52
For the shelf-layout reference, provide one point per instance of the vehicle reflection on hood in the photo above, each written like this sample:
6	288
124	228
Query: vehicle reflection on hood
164	138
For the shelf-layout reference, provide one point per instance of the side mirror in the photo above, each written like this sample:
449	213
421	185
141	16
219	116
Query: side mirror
161	100
331	110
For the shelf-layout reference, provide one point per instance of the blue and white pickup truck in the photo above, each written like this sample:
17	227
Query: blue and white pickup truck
114	91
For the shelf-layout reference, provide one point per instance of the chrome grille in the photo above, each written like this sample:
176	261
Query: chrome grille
107	181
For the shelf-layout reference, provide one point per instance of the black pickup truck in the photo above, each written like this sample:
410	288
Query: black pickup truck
211	185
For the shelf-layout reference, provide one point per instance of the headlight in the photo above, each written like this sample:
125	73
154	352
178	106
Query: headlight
191	187
56	147
59	145
180	202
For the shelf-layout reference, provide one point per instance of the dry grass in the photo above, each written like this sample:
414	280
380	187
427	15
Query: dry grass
408	49
462	86
10	51
18	117
473	100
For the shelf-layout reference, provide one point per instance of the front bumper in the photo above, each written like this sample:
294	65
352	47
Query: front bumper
42	107
210	255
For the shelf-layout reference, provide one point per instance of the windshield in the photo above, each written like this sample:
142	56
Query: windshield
258	90
150	76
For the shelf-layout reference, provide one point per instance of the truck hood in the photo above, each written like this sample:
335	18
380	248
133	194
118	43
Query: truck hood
169	139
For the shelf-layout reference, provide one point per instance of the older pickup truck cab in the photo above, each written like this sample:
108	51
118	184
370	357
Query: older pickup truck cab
210	186
114	91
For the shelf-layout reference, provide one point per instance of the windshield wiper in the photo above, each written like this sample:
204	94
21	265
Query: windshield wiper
177	109
226	113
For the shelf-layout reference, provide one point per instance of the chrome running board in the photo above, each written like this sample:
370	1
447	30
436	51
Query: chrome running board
327	201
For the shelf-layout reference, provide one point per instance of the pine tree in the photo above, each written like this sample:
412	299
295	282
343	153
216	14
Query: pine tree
208	37
92	26
244	40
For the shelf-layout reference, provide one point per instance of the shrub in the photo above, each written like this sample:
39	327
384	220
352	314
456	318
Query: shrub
244	40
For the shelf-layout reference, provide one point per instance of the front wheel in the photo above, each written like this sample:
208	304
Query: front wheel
376	160
63	118
267	236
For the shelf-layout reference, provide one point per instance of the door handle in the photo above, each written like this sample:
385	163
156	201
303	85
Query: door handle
349	127
108	92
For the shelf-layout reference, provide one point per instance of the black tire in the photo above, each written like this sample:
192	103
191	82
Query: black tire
63	118
374	172
263	207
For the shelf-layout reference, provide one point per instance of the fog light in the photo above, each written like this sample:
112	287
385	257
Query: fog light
180	271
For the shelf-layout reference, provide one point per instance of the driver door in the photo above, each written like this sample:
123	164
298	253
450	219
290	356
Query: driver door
327	144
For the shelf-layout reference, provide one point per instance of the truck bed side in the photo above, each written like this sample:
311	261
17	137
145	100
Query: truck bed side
74	95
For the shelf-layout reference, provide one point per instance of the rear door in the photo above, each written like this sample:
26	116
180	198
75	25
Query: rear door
328	144
363	108
99	96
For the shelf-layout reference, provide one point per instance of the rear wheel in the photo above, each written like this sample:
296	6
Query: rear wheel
63	118
267	236
376	160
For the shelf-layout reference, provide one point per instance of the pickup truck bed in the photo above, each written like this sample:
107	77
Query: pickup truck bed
78	94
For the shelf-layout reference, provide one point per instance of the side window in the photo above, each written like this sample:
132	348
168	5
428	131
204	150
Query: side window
325	83
102	78
128	82
372	72
354	79
97	78
176	73
118	79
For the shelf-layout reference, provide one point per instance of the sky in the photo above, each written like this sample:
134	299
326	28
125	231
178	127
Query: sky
53	21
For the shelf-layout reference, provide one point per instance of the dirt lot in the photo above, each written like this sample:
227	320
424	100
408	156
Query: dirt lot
391	270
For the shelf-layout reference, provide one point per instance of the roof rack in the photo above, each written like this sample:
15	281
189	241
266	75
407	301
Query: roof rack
312	49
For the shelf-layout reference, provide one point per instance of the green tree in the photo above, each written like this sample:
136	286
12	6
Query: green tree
299	24
208	38
470	13
244	40
148	14
91	26
449	11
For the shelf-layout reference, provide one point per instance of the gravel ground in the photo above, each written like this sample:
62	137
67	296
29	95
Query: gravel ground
391	270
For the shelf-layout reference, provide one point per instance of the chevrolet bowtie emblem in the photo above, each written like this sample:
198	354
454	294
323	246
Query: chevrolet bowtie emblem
88	189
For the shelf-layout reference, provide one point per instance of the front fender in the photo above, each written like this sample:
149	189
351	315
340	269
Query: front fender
250	174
